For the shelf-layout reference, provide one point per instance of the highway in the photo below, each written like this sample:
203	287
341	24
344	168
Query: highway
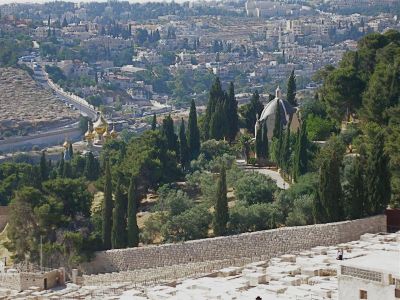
80	104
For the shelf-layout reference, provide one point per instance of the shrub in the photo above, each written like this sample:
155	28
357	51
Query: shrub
255	188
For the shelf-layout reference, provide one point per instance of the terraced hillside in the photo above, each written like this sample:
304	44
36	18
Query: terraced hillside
25	107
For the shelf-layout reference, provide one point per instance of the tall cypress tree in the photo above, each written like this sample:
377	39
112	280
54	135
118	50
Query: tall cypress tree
265	140
133	229
107	207
90	171
260	143
329	186
216	96
67	173
154	122
278	122
218	122
193	134
44	170
378	177
60	172
183	150
232	114
291	89
70	150
278	135
286	151
355	190
221	205
169	134
118	234
300	163
251	110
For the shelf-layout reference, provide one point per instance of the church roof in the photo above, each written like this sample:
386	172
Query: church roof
270	109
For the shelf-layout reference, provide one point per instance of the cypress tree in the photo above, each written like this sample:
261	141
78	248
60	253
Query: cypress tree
232	114
260	142
286	151
193	132
216	96
291	89
133	229
218	122
118	234
300	164
329	185
378	177
278	122
221	205
154	122
265	140
169	134
183	150
67	172
107	207
355	190
44	170
90	171
70	150
254	108
61	166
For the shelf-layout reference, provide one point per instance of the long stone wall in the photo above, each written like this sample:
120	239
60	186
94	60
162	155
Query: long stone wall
267	243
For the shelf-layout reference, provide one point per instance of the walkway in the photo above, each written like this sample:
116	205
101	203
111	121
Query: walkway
275	176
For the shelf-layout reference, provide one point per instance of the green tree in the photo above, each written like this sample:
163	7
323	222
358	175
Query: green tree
154	122
378	177
44	171
250	111
118	234
300	161
67	170
260	143
193	132
60	171
133	229
291	89
107	207
221	205
342	92
216	96
91	166
71	150
330	196
383	91
169	134
232	114
183	150
354	190
218	122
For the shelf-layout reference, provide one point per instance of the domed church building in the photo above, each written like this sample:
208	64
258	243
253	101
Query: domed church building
288	112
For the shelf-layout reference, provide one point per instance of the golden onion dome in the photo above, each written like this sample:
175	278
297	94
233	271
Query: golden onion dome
88	135
66	144
106	133
113	132
100	125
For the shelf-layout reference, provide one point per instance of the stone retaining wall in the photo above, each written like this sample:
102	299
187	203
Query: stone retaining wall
267	243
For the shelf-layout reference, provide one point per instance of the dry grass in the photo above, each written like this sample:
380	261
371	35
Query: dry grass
25	105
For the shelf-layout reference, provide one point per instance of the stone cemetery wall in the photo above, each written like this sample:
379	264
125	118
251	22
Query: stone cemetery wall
268	243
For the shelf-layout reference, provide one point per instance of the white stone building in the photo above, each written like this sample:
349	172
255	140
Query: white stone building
374	277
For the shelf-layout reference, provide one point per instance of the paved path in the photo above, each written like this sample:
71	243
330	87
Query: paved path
275	176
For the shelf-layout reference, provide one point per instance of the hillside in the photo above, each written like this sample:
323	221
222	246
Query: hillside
26	107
